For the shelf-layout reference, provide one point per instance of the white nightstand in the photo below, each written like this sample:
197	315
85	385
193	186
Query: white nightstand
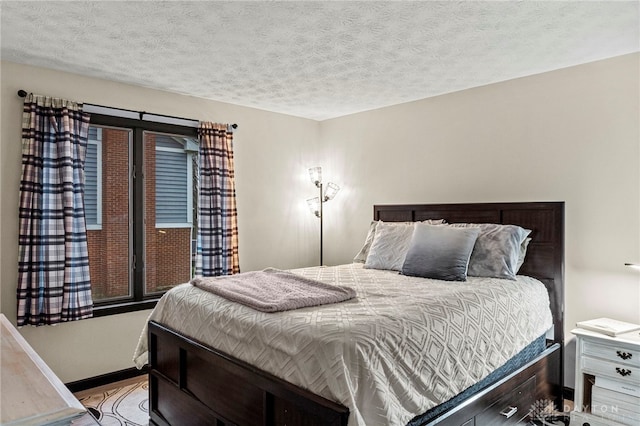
607	390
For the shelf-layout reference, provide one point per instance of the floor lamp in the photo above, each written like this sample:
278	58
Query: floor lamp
315	204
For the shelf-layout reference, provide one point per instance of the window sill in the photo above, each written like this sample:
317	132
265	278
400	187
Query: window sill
124	307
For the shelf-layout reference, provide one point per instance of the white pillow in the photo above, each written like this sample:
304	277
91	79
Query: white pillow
389	246
361	257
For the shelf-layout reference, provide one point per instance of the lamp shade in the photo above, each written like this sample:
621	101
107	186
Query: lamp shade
315	173
314	205
330	191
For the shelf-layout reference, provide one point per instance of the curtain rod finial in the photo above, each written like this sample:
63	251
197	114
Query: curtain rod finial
22	93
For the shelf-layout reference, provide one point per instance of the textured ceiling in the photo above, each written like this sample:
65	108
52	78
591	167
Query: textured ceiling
315	59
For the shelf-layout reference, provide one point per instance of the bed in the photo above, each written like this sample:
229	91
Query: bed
193	381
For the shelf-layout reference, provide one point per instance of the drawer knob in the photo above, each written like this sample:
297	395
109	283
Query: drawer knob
623	371
624	355
509	412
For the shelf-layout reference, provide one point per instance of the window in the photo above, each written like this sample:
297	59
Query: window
93	180
140	185
174	181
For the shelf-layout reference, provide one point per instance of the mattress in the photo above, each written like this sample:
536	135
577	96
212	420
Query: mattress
528	354
401	347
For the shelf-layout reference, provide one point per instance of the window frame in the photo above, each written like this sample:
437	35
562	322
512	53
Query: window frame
138	300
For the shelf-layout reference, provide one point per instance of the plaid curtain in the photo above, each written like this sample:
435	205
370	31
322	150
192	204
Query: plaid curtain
53	268
217	214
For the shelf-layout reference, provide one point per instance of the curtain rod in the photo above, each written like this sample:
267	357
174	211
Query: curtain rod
23	93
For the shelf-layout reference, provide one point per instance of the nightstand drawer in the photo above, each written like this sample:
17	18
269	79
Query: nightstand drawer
621	372
613	353
617	401
613	409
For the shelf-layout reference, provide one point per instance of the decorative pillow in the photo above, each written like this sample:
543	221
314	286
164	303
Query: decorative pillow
361	257
389	246
523	253
497	250
440	252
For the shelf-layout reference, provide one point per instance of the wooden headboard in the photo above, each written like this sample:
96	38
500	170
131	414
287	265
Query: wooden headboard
545	254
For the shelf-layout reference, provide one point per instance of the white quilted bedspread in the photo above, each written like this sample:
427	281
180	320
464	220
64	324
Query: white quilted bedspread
401	347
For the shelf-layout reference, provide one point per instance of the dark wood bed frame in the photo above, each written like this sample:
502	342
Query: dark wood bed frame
194	384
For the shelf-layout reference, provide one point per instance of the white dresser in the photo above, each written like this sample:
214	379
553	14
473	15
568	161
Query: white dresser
607	390
30	393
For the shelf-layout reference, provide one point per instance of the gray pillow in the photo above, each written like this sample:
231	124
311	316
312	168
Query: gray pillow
361	257
389	246
498	250
440	252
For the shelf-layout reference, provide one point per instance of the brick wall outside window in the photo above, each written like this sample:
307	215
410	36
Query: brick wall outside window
109	247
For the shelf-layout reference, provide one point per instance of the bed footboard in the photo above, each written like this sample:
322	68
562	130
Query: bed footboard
191	384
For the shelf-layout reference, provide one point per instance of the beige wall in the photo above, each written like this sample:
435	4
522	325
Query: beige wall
570	135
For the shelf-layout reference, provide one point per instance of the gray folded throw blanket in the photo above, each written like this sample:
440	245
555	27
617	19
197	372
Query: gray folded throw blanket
273	290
